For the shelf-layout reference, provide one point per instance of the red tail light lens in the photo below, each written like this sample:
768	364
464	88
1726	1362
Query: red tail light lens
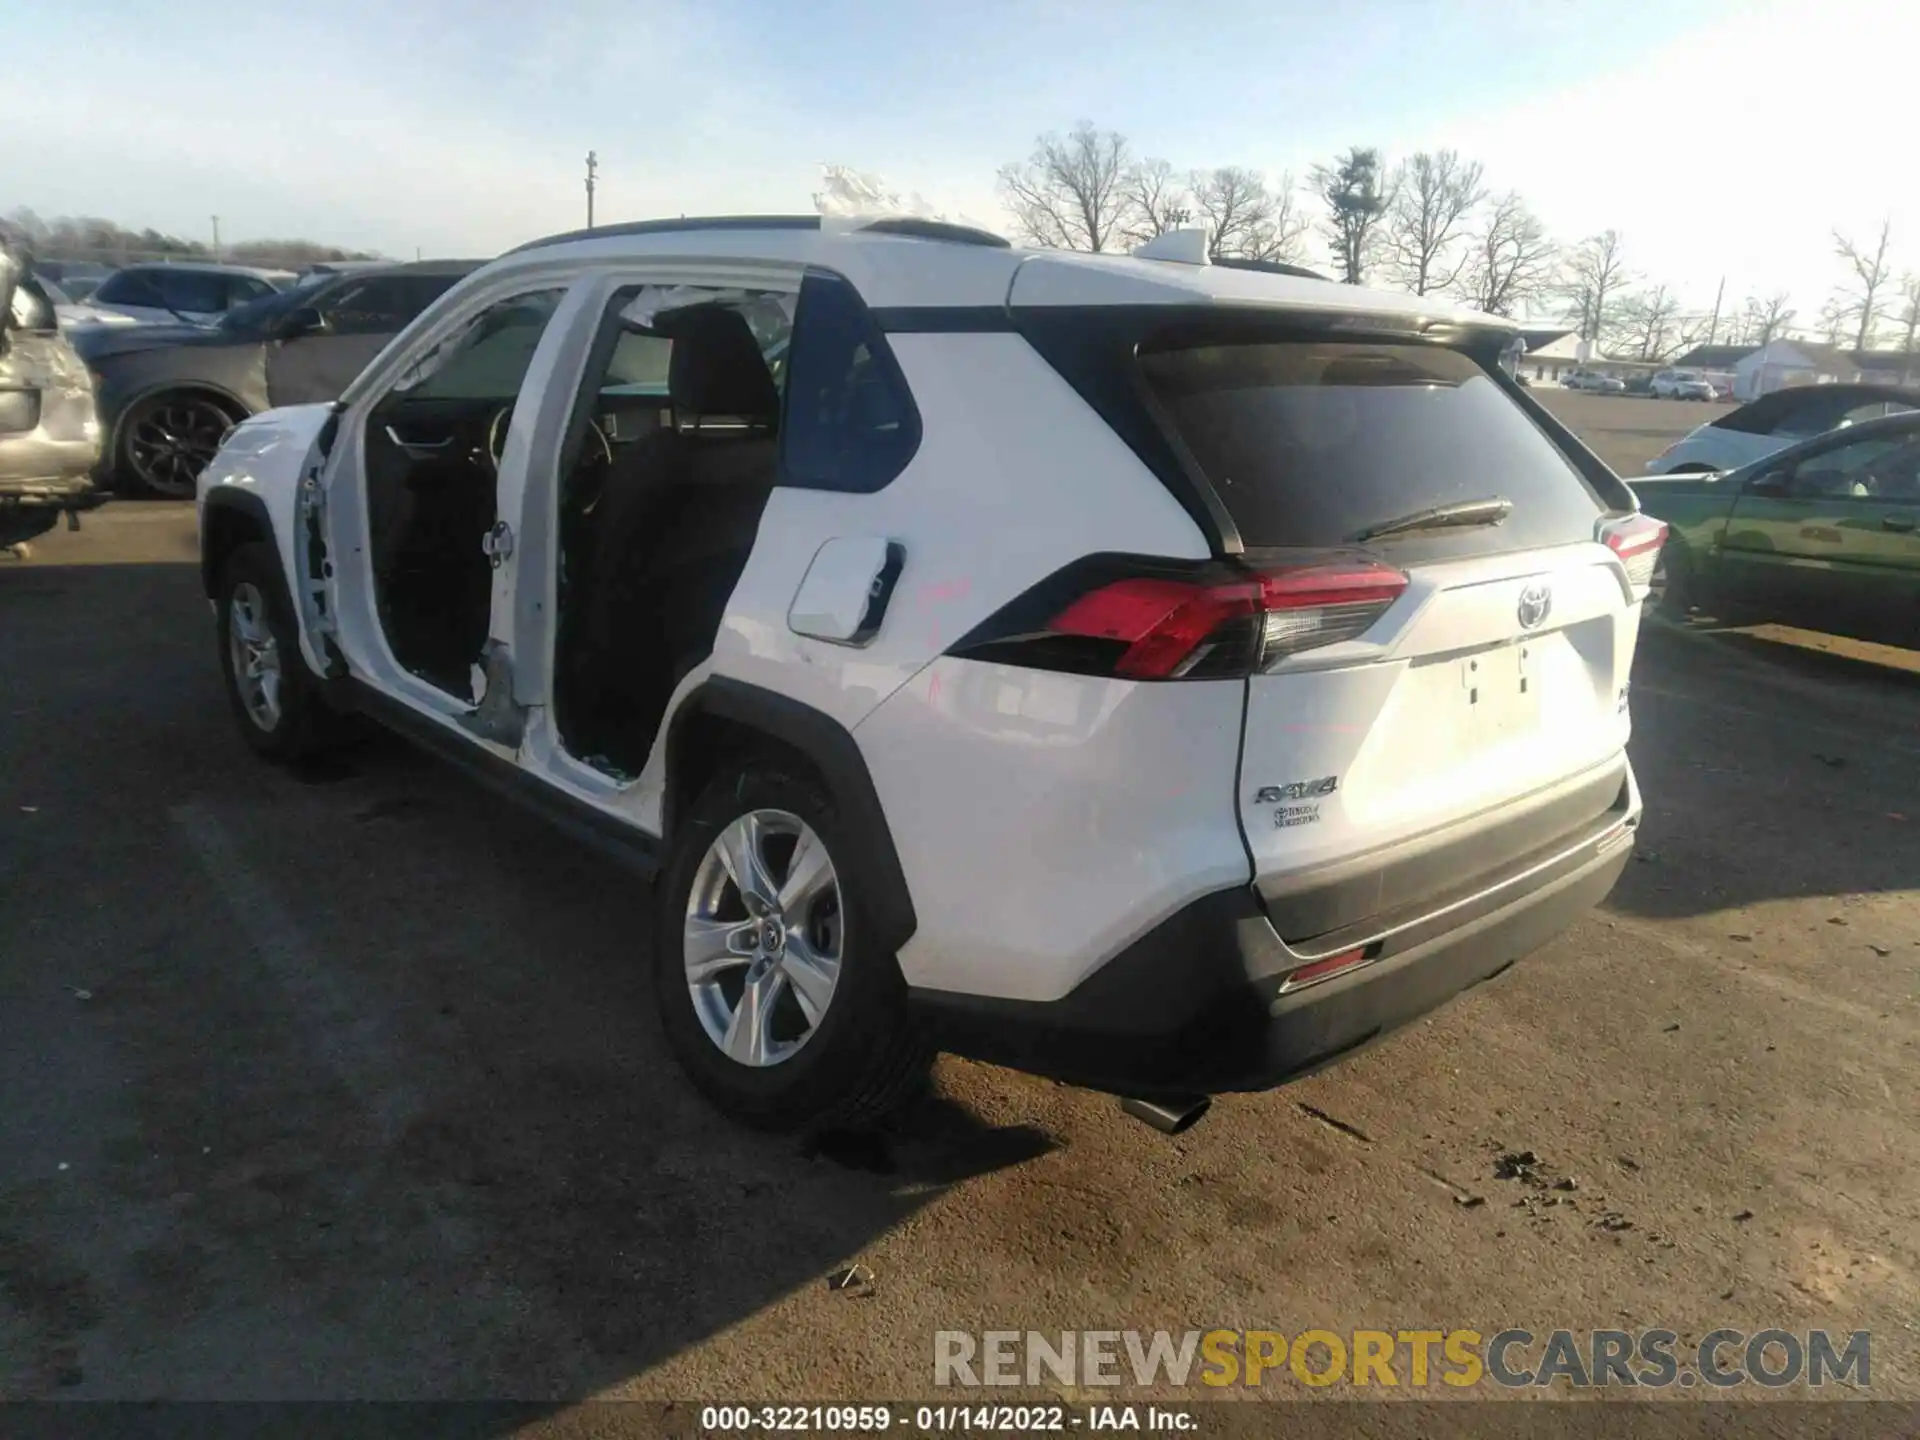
1636	539
1156	621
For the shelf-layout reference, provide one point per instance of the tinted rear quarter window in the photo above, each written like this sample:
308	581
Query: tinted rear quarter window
1313	442
850	421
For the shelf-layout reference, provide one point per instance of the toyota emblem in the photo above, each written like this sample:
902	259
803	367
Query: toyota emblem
1535	603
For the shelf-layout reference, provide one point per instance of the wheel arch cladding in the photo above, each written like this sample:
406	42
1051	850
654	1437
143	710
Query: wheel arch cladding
724	716
230	521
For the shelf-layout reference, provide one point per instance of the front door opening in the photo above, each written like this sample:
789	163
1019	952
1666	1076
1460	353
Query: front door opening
433	448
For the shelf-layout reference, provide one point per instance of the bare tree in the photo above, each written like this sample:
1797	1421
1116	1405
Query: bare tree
1355	190
1245	217
1278	235
1231	200
1650	322
1696	329
1070	193
1155	201
1510	261
1434	191
1865	298
1595	279
1907	317
1764	321
1835	316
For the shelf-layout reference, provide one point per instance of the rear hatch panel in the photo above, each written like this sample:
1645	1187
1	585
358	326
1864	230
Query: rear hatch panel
1451	735
1482	716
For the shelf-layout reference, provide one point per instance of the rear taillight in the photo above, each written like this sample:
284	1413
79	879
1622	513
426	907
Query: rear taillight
1636	539
1160	620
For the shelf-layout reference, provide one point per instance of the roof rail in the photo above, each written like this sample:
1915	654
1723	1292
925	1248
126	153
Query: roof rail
914	227
668	227
1270	267
908	226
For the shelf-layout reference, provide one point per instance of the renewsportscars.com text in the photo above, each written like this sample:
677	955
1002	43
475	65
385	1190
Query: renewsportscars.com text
1510	1359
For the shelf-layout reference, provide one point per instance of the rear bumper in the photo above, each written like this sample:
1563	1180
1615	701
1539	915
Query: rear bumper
65	492
1200	1005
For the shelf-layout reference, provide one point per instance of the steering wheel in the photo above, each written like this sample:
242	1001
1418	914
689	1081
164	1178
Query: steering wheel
503	418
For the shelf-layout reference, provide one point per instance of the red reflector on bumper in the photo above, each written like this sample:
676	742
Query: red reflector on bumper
1325	969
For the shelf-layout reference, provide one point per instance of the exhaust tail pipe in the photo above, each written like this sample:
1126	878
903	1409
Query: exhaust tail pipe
1169	1117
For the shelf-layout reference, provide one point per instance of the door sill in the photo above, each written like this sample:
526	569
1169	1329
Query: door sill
615	838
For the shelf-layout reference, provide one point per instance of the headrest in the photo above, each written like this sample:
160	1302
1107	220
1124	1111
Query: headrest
716	367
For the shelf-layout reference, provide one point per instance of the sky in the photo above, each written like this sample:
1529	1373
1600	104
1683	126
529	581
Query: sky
1724	139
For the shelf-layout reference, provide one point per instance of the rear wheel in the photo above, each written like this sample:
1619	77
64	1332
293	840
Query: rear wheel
771	992
1671	591
167	440
275	699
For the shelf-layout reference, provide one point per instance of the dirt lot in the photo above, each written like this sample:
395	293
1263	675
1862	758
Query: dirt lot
340	1084
1628	430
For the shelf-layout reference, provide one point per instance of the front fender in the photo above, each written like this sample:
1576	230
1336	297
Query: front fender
259	469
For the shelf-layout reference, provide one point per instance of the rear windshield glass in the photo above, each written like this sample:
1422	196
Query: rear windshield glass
1312	442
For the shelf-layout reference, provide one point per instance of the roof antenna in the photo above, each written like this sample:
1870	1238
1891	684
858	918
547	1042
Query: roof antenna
1192	246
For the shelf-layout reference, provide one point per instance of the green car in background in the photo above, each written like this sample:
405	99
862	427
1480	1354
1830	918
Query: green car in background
1824	535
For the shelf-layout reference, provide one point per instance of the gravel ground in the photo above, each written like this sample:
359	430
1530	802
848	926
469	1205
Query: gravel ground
340	1083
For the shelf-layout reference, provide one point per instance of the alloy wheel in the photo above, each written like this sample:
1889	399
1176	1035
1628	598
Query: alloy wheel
763	936
255	655
171	442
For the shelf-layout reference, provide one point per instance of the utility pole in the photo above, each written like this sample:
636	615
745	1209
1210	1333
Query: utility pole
593	164
216	238
1713	325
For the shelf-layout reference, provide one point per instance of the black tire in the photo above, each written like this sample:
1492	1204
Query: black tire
865	1056
195	422
301	723
1677	596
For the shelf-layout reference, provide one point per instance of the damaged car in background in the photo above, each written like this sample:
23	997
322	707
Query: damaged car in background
49	433
168	393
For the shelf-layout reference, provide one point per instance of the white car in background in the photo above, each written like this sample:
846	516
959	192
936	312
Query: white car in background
1594	381
1778	420
1682	385
198	294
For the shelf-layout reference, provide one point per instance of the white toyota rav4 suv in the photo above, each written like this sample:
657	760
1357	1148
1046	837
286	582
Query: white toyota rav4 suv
1161	676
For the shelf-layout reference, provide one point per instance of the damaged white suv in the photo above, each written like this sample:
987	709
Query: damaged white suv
1162	676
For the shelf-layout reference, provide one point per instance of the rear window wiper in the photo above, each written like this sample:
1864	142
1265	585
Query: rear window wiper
1490	510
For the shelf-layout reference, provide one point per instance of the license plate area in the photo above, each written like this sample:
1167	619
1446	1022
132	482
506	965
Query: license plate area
1500	688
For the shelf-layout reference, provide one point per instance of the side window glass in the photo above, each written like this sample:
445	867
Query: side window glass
488	358
850	418
129	287
242	289
193	293
1897	477
372	307
1842	472
1815	417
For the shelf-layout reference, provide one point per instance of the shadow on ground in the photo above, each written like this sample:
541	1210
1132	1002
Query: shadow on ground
343	1082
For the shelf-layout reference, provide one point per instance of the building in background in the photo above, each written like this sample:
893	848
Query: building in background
1782	363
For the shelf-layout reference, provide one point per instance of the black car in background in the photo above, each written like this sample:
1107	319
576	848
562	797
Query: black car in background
168	394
